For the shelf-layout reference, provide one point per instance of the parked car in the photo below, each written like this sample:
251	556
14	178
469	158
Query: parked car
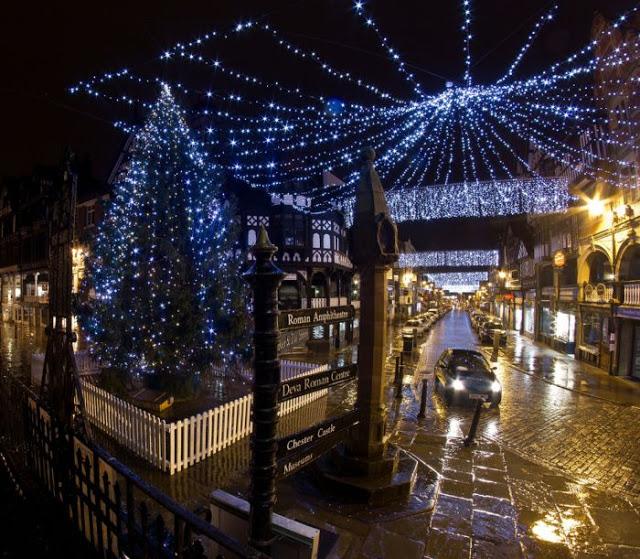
480	321
489	329
473	316
463	374
425	321
416	326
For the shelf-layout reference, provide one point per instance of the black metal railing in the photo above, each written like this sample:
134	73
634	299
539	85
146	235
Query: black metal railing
113	509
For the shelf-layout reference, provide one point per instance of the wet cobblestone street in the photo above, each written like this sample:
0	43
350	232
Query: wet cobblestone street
554	472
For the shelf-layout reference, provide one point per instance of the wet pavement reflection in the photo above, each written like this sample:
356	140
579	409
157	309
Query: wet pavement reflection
554	472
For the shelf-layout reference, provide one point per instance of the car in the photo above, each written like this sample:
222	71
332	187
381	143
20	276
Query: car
416	327
489	329
425	321
464	374
480	321
474	317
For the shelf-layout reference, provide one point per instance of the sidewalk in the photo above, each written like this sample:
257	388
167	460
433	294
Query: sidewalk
567	372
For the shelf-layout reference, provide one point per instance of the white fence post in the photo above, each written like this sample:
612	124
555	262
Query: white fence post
177	445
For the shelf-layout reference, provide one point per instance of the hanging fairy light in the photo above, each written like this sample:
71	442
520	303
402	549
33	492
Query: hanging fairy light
449	258
274	134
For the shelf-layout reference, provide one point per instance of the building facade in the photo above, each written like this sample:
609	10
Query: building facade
578	286
24	241
312	250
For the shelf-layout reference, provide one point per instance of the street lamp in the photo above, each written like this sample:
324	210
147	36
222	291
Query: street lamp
595	206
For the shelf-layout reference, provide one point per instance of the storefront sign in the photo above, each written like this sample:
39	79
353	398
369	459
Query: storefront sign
308	318
628	312
559	259
325	379
300	450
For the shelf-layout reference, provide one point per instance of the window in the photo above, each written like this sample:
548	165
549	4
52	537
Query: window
91	216
547	325
299	230
326	241
251	237
565	326
316	240
591	329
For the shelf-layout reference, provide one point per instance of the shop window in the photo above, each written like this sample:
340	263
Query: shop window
565	327
529	319
547	326
591	329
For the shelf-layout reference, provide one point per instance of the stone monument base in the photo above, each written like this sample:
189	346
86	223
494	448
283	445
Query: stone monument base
375	482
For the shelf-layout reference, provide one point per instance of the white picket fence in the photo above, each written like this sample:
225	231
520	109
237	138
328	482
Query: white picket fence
173	446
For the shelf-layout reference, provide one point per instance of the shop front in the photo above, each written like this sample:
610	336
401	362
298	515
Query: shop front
565	330
628	340
593	345
547	323
530	313
518	315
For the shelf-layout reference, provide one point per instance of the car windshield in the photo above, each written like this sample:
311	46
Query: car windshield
468	363
493	326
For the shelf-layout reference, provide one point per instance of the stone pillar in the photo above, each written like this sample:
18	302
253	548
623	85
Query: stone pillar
367	441
375	248
264	277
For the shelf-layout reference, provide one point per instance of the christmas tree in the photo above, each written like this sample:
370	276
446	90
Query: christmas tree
169	299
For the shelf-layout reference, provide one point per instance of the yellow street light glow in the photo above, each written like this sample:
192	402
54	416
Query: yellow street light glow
502	274
595	207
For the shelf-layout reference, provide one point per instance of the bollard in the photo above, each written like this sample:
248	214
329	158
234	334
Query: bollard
399	387
474	423
407	342
423	399
496	346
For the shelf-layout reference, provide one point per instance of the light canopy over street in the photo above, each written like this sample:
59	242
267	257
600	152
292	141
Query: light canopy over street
316	280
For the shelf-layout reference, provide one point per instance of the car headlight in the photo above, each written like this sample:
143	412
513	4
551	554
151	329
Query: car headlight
457	384
495	386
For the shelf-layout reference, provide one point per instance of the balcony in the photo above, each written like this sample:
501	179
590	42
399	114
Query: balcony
600	293
321	302
631	293
329	256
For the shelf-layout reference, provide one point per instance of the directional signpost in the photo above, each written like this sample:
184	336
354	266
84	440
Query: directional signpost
308	318
301	449
325	379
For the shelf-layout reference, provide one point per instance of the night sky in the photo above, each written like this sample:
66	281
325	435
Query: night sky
46	47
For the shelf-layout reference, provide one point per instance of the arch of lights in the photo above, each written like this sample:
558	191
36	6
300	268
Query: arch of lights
449	258
459	281
274	134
